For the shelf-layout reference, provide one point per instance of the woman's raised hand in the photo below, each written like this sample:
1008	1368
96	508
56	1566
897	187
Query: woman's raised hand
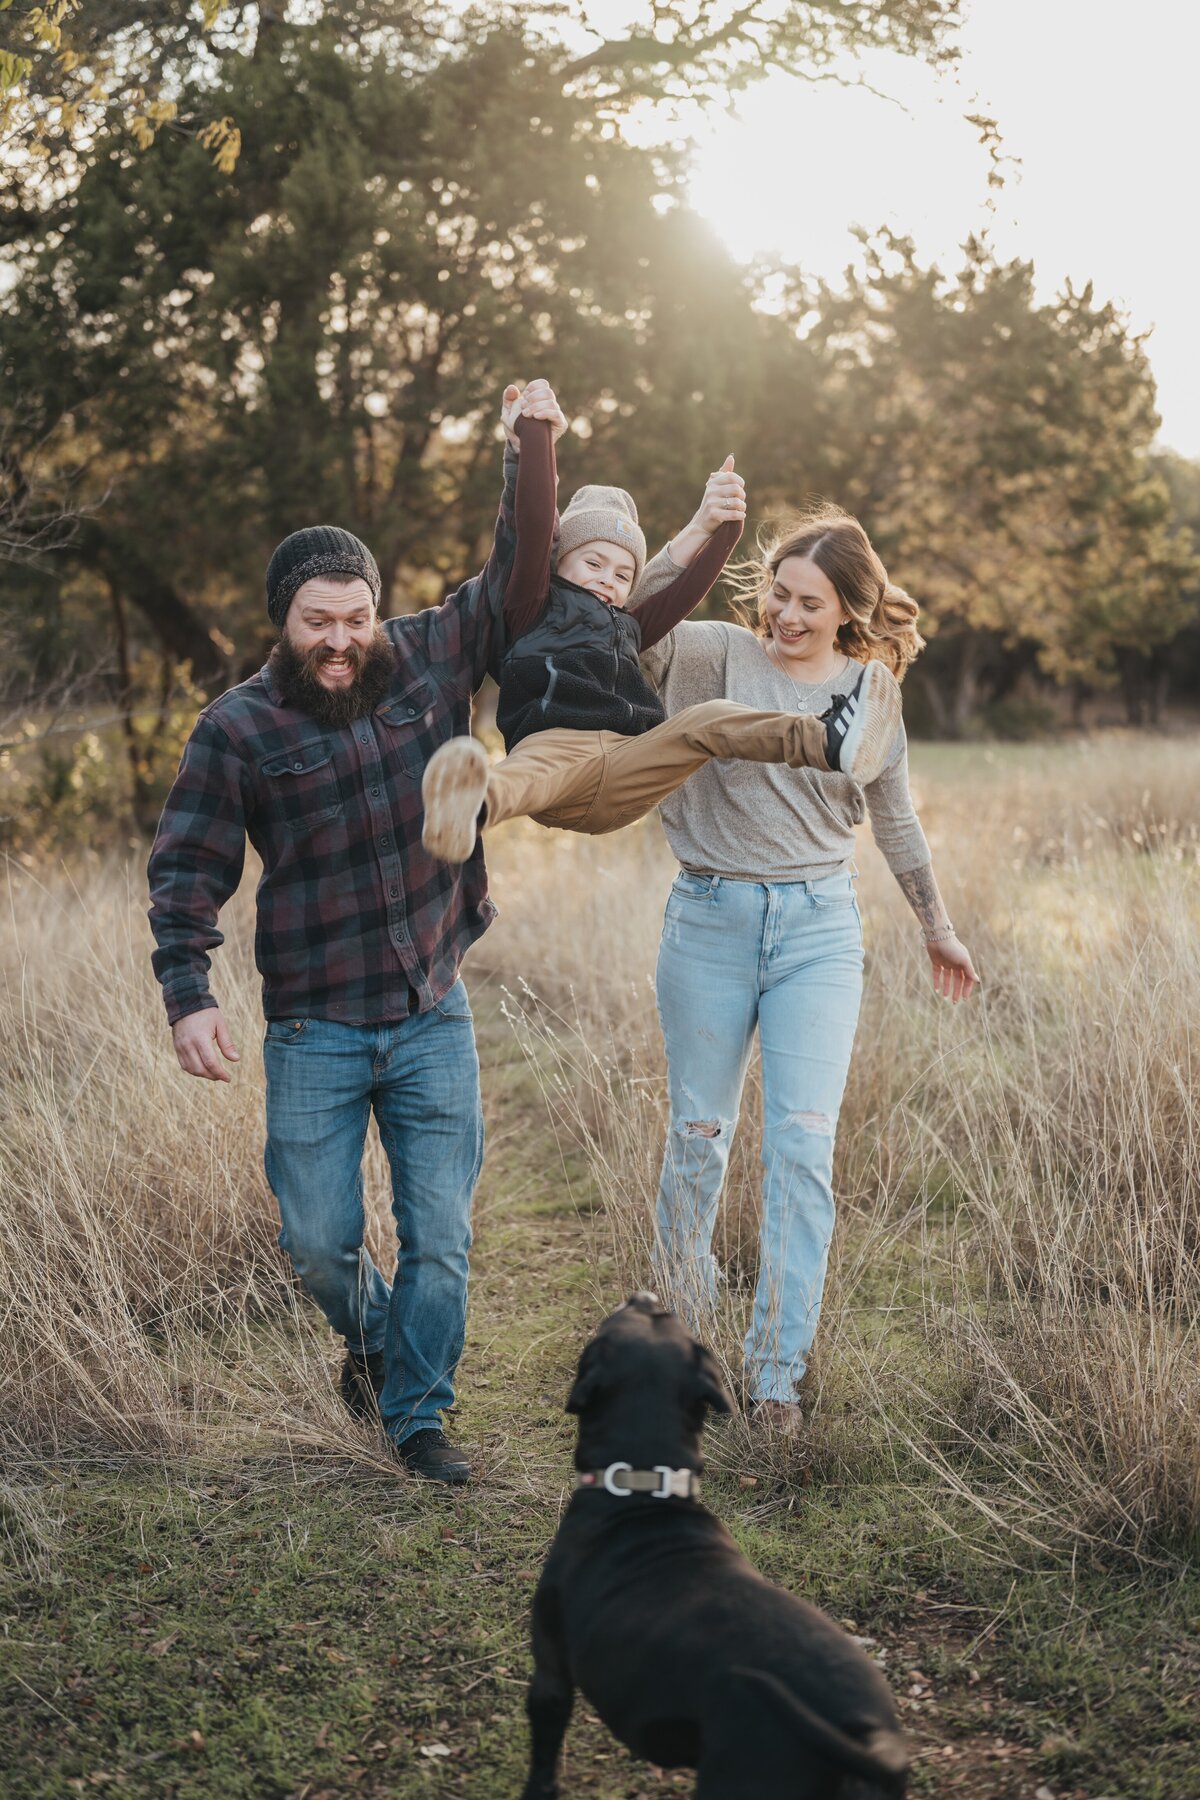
954	976
724	499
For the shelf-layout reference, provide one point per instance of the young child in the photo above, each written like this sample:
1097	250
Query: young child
589	746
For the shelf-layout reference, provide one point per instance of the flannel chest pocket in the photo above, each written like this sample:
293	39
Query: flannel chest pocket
302	788
414	728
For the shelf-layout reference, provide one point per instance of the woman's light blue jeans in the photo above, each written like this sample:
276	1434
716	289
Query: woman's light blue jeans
421	1077
786	958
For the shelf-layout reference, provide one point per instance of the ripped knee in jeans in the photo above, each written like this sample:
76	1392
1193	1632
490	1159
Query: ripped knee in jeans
817	1122
705	1128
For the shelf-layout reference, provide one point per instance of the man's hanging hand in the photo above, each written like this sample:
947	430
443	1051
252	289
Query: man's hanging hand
198	1038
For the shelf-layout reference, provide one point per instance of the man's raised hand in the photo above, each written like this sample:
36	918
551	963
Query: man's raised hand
536	400
198	1038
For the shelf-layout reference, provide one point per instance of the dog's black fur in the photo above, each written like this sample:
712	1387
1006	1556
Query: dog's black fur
648	1607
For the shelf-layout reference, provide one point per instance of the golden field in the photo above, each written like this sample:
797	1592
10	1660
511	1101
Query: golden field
1011	1318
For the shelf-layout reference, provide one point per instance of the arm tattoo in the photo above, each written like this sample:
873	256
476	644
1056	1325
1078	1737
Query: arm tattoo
921	891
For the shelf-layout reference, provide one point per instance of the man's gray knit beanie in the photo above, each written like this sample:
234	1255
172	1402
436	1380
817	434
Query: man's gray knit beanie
606	515
317	550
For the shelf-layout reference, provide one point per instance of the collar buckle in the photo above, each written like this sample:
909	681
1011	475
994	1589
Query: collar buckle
662	1482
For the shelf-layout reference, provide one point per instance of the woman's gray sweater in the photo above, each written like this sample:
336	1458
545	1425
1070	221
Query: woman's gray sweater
763	821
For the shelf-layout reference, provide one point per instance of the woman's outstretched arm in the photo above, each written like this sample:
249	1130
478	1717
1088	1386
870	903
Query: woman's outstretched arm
897	833
724	499
698	554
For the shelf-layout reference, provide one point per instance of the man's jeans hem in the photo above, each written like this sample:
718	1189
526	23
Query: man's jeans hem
411	1428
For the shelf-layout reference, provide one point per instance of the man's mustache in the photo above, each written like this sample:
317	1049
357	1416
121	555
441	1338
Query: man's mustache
320	654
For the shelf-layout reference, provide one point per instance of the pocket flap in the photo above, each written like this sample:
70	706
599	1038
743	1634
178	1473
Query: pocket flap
300	759
407	707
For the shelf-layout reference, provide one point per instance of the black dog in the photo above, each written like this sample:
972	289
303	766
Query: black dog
647	1605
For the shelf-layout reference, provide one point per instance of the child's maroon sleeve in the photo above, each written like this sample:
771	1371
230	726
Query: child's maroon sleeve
663	611
528	585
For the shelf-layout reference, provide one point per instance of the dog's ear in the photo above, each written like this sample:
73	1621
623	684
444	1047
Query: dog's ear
588	1379
709	1387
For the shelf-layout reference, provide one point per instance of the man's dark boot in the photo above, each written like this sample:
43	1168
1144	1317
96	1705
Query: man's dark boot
361	1384
429	1454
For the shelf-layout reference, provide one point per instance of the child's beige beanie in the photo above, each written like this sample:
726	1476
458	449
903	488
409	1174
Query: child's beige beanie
606	514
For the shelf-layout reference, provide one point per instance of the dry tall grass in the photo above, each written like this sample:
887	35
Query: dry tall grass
1013	1301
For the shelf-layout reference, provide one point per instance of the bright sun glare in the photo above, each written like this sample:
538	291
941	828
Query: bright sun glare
1098	119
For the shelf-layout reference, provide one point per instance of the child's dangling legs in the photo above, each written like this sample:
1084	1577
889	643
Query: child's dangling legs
556	772
597	781
855	736
641	771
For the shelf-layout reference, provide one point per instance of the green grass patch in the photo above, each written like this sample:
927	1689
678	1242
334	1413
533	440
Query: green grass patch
302	1628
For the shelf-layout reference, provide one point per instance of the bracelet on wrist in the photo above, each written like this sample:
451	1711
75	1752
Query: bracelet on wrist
941	935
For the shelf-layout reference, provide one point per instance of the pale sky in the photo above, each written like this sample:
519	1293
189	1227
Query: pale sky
1097	100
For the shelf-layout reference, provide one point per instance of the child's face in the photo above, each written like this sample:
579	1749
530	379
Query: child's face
604	569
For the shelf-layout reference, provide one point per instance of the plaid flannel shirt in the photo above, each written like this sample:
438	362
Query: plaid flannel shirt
355	921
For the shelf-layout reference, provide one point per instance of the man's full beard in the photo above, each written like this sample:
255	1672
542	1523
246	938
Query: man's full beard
294	673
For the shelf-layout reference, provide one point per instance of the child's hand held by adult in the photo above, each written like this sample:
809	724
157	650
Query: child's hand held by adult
510	412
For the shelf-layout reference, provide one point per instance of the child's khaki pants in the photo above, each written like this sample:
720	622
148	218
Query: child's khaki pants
596	781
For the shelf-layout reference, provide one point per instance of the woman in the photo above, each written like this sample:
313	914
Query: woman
762	929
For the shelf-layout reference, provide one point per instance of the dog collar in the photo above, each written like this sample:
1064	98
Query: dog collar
660	1483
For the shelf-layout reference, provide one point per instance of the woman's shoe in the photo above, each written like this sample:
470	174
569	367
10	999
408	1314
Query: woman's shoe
860	727
454	788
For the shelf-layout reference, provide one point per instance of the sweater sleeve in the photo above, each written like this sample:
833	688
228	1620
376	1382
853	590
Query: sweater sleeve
528	585
662	611
894	822
658	573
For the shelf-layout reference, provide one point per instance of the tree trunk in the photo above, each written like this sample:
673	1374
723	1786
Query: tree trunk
1133	688
180	630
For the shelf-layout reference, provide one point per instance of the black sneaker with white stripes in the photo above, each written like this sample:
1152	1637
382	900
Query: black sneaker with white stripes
861	727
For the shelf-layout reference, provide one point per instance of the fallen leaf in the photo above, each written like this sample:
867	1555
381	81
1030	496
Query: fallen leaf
436	1750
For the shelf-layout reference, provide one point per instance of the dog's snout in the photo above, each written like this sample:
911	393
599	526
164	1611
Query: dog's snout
645	1298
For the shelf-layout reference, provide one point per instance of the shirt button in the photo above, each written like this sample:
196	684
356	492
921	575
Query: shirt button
383	843
375	791
393	892
412	712
297	765
363	739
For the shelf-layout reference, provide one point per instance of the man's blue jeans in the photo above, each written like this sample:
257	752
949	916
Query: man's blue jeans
421	1077
785	958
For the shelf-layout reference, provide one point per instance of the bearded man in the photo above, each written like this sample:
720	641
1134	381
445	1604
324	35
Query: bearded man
317	760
